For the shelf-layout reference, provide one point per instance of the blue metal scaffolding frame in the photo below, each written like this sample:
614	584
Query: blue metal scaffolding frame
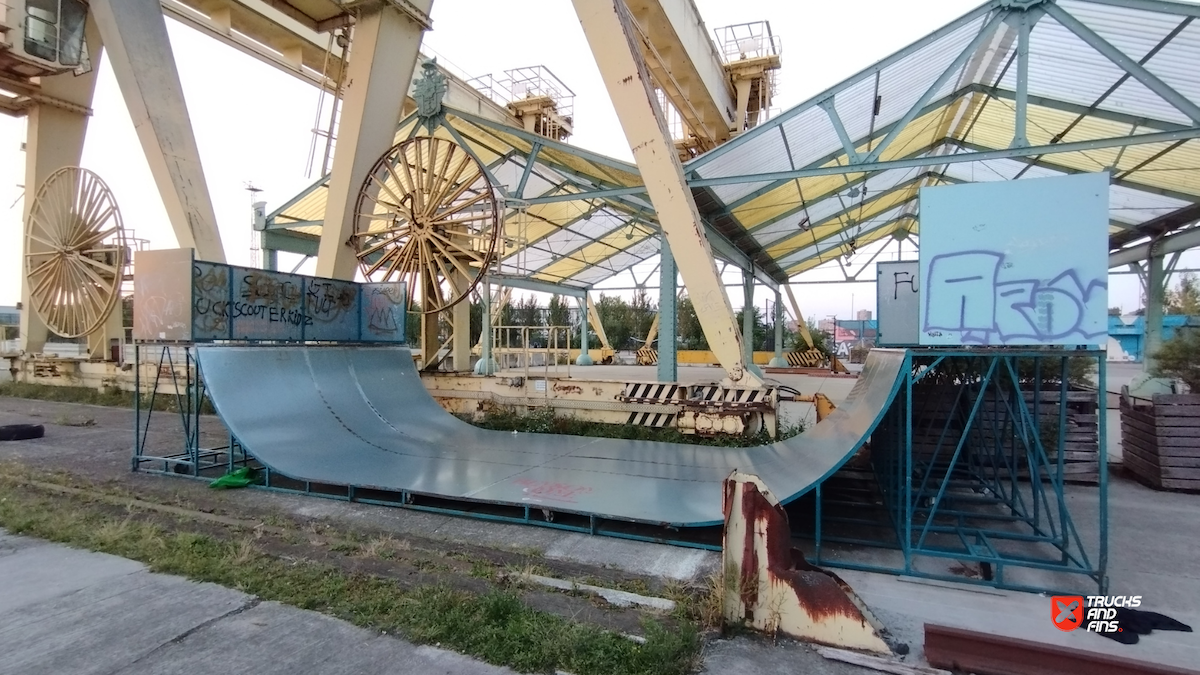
991	487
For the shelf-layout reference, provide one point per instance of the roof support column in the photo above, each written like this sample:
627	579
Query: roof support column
485	365
460	315
384	54
1155	292
778	360
613	39
54	139
748	315
135	38
668	317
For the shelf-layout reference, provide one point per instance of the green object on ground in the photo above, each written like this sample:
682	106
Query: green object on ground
239	478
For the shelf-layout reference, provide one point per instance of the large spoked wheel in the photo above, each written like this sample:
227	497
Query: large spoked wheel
427	215
75	252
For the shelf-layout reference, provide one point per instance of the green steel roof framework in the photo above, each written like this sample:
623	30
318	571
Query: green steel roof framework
1014	89
585	215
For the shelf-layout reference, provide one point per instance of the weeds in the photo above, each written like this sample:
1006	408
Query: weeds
109	396
496	627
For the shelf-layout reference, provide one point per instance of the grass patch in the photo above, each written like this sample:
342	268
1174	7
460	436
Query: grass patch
109	396
496	627
544	421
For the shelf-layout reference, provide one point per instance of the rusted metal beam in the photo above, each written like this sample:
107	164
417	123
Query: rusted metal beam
768	584
985	654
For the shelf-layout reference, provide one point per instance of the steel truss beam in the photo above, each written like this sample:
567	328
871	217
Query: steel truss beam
1079	146
528	284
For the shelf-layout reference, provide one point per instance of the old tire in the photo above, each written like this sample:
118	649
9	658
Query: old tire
21	432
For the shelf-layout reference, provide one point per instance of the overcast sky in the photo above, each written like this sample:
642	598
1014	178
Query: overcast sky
253	123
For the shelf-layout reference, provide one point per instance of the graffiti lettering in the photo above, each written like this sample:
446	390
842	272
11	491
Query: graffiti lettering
328	301
909	279
539	490
966	297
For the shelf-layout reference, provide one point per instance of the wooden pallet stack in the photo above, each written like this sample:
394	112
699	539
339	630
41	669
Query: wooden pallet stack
1081	442
1160	440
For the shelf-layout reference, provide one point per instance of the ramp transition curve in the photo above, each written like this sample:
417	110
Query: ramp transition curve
360	416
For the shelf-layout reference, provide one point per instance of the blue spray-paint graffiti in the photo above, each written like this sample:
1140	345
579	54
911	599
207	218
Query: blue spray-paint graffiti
969	299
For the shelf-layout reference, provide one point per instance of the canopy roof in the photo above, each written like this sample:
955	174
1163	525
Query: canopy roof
1014	89
550	234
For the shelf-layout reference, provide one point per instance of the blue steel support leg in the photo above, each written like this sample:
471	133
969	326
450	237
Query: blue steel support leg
907	466
748	315
137	406
668	318
1155	291
777	361
1102	451
485	365
584	359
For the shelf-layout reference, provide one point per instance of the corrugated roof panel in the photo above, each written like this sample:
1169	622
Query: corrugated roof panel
821	209
902	83
810	136
1064	67
1137	206
618	263
870	210
1176	63
833	252
805	252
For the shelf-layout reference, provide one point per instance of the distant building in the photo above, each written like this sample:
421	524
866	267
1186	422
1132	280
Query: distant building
863	315
9	316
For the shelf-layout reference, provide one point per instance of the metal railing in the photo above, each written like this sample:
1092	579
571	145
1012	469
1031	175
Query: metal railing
532	347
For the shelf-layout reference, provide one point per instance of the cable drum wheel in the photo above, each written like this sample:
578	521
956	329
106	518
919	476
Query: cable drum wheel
427	215
75	252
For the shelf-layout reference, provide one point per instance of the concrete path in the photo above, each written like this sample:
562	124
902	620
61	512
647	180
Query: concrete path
63	610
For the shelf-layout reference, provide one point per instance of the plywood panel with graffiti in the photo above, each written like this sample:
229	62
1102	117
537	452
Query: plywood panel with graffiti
177	299
1021	262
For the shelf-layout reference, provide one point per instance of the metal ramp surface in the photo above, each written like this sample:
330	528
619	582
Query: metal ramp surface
360	416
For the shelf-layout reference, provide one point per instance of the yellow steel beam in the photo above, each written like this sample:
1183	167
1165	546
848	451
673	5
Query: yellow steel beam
801	324
594	319
138	48
680	57
386	43
607	26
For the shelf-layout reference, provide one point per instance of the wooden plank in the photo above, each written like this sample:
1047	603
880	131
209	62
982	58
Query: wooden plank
1138	415
1177	484
1150	462
1177	411
1179	432
1182	473
1180	447
876	663
1193	462
1178	421
1139	424
1143	472
1176	400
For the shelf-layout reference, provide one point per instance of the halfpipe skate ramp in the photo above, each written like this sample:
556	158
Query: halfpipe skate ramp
360	416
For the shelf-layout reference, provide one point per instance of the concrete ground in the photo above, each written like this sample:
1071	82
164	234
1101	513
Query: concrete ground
70	611
1153	552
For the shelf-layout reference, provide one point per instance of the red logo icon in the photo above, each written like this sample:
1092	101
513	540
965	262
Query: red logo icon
1067	611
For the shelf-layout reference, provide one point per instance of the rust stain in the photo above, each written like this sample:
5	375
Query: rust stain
822	594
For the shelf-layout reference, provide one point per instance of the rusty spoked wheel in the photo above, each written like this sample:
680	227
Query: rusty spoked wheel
427	215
